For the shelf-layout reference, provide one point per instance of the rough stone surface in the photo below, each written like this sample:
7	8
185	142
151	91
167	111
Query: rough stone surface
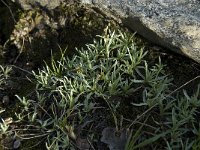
40	32
30	4
174	24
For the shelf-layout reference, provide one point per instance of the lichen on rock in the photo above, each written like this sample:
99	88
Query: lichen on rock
40	32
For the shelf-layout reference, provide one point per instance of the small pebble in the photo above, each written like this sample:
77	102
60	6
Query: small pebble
6	100
82	144
16	144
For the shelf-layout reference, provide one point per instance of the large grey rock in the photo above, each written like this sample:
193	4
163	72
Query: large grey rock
174	24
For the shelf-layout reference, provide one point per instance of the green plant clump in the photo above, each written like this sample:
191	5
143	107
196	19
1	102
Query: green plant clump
69	89
4	75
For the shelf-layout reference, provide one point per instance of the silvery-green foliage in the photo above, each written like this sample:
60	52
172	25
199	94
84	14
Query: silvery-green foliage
68	89
4	74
